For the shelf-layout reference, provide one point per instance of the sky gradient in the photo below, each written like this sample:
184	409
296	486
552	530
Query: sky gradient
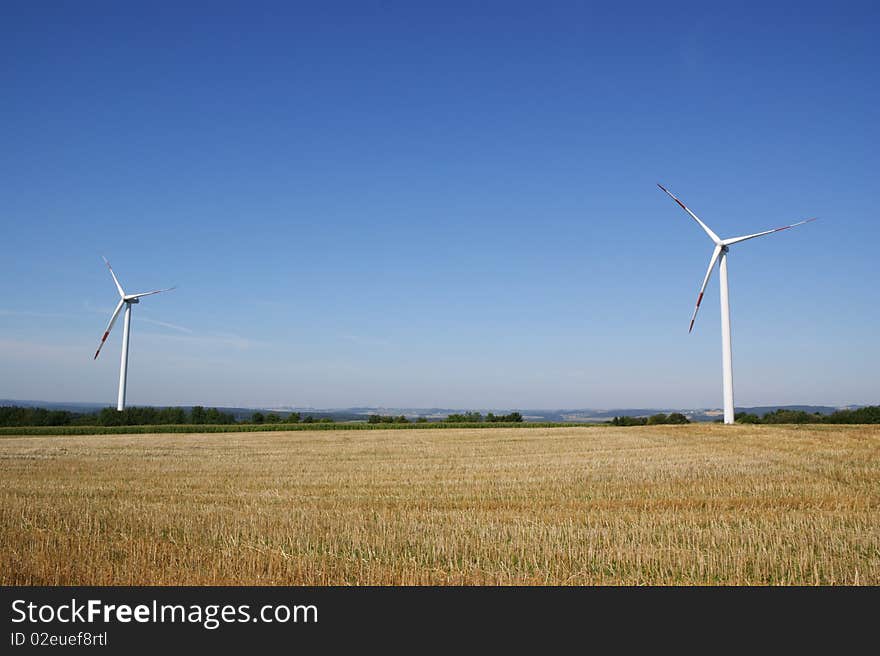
448	205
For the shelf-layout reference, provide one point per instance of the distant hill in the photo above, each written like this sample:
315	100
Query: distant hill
49	405
761	410
437	414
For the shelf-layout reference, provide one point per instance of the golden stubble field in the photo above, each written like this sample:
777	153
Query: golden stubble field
699	504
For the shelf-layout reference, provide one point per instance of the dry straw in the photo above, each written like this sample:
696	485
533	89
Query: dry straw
699	504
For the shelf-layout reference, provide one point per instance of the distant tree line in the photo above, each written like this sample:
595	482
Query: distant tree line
653	420
146	415
17	416
388	419
476	417
292	418
275	418
513	417
14	415
868	415
132	416
455	418
143	416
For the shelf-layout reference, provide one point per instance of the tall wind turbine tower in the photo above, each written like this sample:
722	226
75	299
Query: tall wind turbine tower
719	255
126	300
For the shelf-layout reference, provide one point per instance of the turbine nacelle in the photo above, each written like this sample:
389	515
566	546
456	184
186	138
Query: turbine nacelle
722	246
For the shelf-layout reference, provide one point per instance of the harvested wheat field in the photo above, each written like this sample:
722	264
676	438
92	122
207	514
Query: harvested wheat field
698	504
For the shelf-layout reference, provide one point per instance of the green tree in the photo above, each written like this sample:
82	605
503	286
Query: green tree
870	414
197	415
629	421
172	416
110	417
466	417
783	416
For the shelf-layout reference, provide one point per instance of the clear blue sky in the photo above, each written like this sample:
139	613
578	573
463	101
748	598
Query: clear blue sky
449	205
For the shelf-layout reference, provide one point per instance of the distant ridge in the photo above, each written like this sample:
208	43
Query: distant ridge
529	414
761	410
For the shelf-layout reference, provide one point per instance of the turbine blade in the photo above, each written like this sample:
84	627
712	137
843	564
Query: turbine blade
711	234
155	291
110	326
736	240
712	262
118	286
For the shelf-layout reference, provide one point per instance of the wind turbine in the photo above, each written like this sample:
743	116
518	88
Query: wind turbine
720	255
127	300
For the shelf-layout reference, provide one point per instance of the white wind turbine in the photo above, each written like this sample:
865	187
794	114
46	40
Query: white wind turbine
127	300
720	255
